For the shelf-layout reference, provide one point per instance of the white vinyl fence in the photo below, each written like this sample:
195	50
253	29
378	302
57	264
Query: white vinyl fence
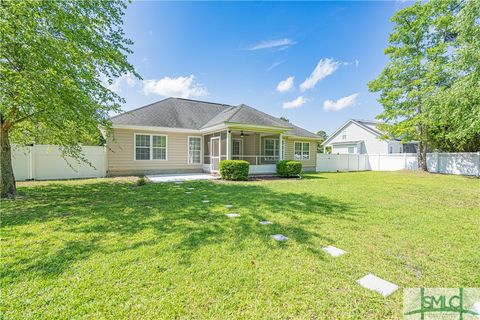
44	162
449	163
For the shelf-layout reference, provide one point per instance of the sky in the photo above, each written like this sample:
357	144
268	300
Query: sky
307	61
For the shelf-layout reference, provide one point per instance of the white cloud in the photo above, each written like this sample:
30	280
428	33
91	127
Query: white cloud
267	44
274	65
182	87
340	103
324	68
357	63
126	80
294	103
285	85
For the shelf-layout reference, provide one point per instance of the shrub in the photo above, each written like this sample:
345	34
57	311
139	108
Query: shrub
141	181
234	169
289	168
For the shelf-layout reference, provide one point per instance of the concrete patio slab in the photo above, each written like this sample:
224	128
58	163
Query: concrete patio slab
372	282
334	252
279	237
179	178
266	222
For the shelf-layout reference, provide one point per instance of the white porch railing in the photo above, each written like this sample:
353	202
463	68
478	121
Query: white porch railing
252	159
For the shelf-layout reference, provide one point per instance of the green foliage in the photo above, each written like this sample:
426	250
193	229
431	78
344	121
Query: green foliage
430	88
322	134
289	168
96	246
56	61
234	169
141	181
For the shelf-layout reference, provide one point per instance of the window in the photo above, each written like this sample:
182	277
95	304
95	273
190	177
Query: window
351	149
150	147
391	149
271	148
344	135
142	147
159	147
302	151
194	150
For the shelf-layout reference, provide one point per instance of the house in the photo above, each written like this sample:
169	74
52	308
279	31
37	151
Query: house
362	136
178	135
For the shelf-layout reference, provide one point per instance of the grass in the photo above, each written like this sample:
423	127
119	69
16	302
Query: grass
107	248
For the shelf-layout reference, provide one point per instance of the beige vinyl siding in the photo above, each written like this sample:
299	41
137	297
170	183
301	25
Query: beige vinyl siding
308	165
121	161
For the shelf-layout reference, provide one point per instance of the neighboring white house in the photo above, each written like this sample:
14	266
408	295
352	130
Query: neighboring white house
362	136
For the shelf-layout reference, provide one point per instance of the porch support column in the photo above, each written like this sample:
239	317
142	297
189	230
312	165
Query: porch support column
229	144
281	146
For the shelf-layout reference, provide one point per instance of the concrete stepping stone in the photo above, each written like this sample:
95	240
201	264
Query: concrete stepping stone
372	282
178	182
188	192
204	195
229	206
279	237
232	215
334	252
205	201
191	188
266	222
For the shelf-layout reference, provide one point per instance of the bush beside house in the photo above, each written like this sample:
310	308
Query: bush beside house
289	168
234	169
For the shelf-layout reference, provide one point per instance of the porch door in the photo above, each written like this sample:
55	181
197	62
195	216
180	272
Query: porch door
237	149
214	153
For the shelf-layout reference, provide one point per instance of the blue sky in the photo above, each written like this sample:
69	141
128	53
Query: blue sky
309	61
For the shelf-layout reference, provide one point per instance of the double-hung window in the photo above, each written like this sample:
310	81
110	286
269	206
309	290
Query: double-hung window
194	150
271	149
150	147
302	150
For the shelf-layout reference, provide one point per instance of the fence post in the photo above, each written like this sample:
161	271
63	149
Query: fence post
478	164
437	168
33	165
378	167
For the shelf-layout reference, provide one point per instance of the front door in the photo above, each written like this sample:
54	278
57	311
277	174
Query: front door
214	154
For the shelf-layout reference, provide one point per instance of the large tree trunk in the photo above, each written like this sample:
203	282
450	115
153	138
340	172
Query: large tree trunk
422	150
7	186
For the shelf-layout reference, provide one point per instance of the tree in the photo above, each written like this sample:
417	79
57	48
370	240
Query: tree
425	67
284	119
455	109
55	60
323	135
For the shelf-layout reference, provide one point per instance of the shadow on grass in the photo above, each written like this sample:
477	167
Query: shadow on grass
92	212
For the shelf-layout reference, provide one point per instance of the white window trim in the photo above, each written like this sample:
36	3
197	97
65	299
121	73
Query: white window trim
276	144
201	151
151	146
309	150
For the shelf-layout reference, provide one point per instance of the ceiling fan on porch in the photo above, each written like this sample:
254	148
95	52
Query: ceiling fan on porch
243	135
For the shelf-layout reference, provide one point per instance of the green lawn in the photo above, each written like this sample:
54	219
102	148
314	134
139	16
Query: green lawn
108	249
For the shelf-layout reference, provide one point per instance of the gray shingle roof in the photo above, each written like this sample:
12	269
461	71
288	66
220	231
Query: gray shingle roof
193	114
172	113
